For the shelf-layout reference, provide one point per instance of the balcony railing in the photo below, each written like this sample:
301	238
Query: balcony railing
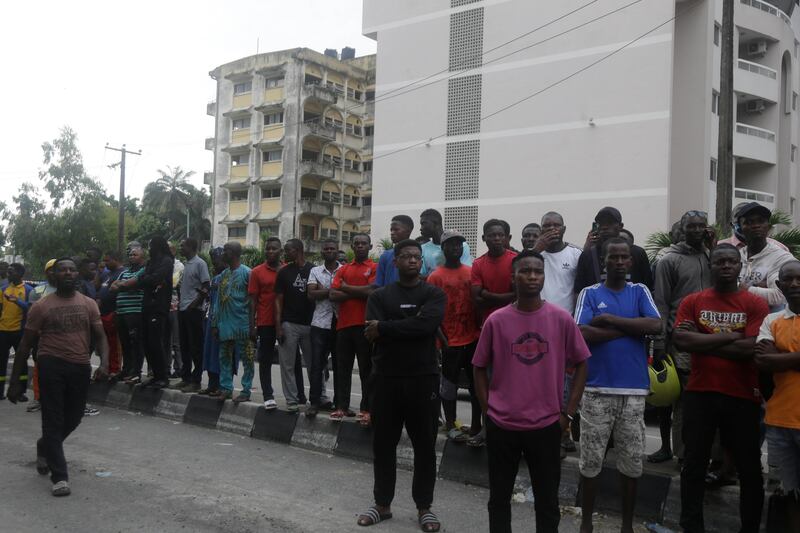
766	8
315	168
758	196
316	207
322	130
758	69
321	93
755	132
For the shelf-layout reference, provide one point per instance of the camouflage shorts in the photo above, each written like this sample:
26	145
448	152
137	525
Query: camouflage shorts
604	415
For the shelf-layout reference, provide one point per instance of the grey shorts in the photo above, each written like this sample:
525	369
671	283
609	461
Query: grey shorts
784	452
604	415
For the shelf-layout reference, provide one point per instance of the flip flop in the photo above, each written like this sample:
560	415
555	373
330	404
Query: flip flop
429	523
372	516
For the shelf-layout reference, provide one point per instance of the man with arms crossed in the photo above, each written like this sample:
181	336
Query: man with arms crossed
718	326
614	318
528	345
64	326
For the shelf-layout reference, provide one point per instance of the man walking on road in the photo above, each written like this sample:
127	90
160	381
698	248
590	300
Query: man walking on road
528	345
233	324
614	317
402	320
193	291
718	326
64	326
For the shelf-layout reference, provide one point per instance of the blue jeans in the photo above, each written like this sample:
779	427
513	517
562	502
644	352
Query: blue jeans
784	453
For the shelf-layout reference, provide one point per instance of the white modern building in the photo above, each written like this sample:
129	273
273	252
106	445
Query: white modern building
512	108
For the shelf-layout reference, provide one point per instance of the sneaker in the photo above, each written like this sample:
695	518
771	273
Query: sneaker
191	387
270	405
41	466
312	411
241	398
133	380
34	406
292	407
61	489
90	411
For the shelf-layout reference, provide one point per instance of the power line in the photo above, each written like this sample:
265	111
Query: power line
548	87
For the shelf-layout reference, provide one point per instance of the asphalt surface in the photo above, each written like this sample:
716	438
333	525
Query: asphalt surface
136	473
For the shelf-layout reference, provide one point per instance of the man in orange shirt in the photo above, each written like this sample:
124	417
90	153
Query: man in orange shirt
350	289
778	351
461	331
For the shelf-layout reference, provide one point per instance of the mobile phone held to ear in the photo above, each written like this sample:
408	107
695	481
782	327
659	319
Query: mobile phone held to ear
595	227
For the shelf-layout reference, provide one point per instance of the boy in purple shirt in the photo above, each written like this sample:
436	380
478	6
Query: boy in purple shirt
528	344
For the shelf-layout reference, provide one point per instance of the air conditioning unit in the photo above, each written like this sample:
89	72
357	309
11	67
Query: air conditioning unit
757	49
755	106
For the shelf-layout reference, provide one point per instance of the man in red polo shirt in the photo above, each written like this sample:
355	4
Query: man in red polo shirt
262	302
491	272
350	289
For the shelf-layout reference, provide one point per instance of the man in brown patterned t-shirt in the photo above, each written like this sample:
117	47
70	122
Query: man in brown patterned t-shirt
64	325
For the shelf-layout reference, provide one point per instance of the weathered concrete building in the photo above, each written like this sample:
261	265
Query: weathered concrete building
292	146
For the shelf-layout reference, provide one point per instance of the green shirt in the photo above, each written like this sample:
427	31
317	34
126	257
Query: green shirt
130	302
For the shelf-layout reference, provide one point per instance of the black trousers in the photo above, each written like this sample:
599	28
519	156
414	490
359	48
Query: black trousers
541	449
413	402
351	344
63	386
323	342
129	330
266	353
190	328
8	340
153	328
738	423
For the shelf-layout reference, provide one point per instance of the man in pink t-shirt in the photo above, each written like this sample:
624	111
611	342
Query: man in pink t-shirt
528	345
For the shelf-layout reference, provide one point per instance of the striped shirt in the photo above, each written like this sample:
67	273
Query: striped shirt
129	302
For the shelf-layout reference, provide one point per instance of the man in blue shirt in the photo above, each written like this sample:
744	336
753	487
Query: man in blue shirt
399	230
431	228
614	317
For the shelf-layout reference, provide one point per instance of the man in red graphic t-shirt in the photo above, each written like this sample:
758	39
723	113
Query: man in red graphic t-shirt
718	326
350	289
491	272
461	331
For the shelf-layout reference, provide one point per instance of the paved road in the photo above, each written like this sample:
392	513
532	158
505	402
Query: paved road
137	473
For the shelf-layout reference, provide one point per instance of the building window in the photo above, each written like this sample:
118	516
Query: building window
351	164
310	155
306	232
241	124
333	159
242	88
273	155
369	131
713	171
794	153
238	196
366	201
328	233
353	94
366	166
370	95
239	159
274	82
353	129
333	122
714	102
313	80
338	88
717	29
269	230
308	194
273	118
270	192
331	196
237	232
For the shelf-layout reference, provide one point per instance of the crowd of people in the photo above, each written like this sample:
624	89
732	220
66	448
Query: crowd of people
555	341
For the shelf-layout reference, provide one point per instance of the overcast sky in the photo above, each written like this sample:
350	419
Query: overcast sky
137	73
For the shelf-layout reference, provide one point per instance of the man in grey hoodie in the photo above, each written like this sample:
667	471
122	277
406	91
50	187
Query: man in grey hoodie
761	259
684	269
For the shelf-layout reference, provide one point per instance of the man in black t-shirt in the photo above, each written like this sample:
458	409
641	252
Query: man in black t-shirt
591	267
402	320
293	313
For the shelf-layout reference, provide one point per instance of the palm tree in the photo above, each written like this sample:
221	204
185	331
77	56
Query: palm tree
169	195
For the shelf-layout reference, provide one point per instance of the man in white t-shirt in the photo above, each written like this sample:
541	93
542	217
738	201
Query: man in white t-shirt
560	269
560	262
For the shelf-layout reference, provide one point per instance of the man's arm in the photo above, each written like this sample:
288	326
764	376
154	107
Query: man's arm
424	323
202	294
360	292
279	316
688	339
29	339
578	383
101	345
596	335
481	382
770	359
317	292
662	295
493	299
632	327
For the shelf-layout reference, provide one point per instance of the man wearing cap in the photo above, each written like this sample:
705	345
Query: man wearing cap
737	239
761	259
591	267
460	326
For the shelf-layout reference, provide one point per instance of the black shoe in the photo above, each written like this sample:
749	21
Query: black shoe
327	406
22	398
312	411
156	384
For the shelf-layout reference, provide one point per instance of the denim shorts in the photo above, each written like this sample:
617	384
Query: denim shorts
784	453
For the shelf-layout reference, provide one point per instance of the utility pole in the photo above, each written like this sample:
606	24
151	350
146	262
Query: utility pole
121	221
726	122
